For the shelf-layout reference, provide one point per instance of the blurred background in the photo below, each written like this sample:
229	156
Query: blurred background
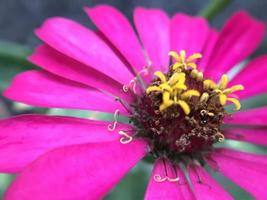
18	19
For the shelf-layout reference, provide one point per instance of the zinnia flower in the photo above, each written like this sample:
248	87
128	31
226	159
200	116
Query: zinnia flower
177	111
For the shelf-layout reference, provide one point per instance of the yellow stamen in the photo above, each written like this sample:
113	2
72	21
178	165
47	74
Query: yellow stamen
184	106
181	81
194	57
177	81
193	65
235	102
194	73
223	92
173	89
174	55
177	77
236	88
166	101
179	87
209	84
200	76
182	55
223	99
153	89
182	61
166	97
170	89
204	97
161	76
166	87
224	82
165	105
190	93
177	65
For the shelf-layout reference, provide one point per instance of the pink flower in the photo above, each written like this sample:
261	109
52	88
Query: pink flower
176	115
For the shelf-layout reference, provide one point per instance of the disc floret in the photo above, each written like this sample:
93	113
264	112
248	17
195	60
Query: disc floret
181	112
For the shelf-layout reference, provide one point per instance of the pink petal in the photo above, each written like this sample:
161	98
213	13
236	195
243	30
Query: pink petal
153	28
253	78
78	42
240	36
188	33
166	189
254	135
61	65
250	157
40	88
205	187
250	176
77	172
208	50
184	187
26	137
256	116
118	30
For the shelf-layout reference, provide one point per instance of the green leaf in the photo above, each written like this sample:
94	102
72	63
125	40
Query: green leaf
5	180
13	51
242	146
102	116
229	186
133	186
13	60
214	8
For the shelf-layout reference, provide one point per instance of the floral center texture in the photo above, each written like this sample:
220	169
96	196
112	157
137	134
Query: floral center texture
181	112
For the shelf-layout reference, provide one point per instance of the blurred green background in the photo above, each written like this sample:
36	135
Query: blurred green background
18	19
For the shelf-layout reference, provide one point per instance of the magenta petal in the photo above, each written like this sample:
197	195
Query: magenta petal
249	175
254	135
205	187
239	37
208	50
40	88
118	30
256	116
166	189
188	33
250	157
153	27
78	42
77	172
26	137
61	65
252	77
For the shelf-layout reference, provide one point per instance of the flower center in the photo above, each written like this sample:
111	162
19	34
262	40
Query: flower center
181	112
